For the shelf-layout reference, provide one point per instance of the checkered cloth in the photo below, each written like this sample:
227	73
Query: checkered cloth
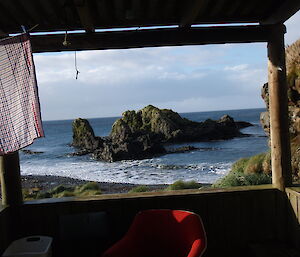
20	118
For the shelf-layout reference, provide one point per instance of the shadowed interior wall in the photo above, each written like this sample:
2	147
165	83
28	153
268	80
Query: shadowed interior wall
232	219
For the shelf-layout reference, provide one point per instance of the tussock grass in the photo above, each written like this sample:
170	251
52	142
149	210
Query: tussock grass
139	189
239	179
293	56
88	189
255	170
180	184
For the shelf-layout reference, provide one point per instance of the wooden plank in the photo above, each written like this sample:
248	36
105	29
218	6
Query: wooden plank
5	230
279	126
150	38
52	10
218	8
153	11
232	8
283	12
119	10
294	204
298	206
85	15
138	8
6	15
231	218
192	11
293	216
105	11
33	9
11	187
281	217
168	12
20	14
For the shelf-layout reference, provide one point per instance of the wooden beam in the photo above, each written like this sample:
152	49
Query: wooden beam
85	15
104	9
217	8
150	38
283	12
3	34
11	187
153	11
194	7
278	106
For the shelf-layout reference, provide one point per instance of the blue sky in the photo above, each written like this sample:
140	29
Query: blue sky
185	79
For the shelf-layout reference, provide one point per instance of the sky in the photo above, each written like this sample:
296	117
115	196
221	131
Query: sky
185	78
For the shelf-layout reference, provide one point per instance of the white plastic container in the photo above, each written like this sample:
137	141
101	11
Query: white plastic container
32	246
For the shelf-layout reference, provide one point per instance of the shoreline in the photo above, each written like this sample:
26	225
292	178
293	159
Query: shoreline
43	183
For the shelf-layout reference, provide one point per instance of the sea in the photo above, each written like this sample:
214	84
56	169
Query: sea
212	162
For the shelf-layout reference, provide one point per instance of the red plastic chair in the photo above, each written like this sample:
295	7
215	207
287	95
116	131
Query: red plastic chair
162	233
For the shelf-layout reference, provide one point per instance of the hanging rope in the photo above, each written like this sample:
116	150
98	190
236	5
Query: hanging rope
76	69
66	43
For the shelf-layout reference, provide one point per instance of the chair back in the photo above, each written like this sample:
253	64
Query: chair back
172	233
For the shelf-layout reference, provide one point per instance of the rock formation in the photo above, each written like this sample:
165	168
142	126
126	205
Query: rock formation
141	134
84	137
169	126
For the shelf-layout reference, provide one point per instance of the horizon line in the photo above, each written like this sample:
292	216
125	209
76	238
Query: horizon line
159	108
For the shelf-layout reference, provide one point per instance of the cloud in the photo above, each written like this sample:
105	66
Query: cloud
186	78
240	67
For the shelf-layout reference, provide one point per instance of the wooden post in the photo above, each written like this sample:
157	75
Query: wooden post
278	107
11	187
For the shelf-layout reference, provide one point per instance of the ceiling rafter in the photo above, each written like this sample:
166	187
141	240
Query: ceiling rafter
55	12
137	9
217	8
153	10
85	15
151	38
283	12
193	10
105	11
19	14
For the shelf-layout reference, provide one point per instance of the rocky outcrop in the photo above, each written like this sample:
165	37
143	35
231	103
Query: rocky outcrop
132	148
27	151
169	126
142	134
293	81
84	137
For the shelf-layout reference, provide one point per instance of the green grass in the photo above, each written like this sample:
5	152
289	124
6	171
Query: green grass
259	163
240	179
255	164
239	166
139	189
180	184
88	189
255	170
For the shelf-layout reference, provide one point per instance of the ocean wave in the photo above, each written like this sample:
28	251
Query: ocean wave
150	171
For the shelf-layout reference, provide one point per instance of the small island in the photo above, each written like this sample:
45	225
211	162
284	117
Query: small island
143	134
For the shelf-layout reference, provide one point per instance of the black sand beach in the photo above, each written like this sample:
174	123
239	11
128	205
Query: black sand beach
45	183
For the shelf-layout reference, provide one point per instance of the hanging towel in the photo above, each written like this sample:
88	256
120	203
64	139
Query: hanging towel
20	117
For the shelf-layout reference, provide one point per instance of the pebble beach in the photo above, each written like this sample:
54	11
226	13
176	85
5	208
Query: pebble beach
45	183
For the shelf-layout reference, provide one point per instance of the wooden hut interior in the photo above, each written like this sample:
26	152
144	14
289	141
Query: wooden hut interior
256	220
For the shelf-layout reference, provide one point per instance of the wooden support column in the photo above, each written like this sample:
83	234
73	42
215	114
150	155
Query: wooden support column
11	187
278	107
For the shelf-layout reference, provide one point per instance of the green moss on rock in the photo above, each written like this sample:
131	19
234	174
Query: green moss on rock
83	135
